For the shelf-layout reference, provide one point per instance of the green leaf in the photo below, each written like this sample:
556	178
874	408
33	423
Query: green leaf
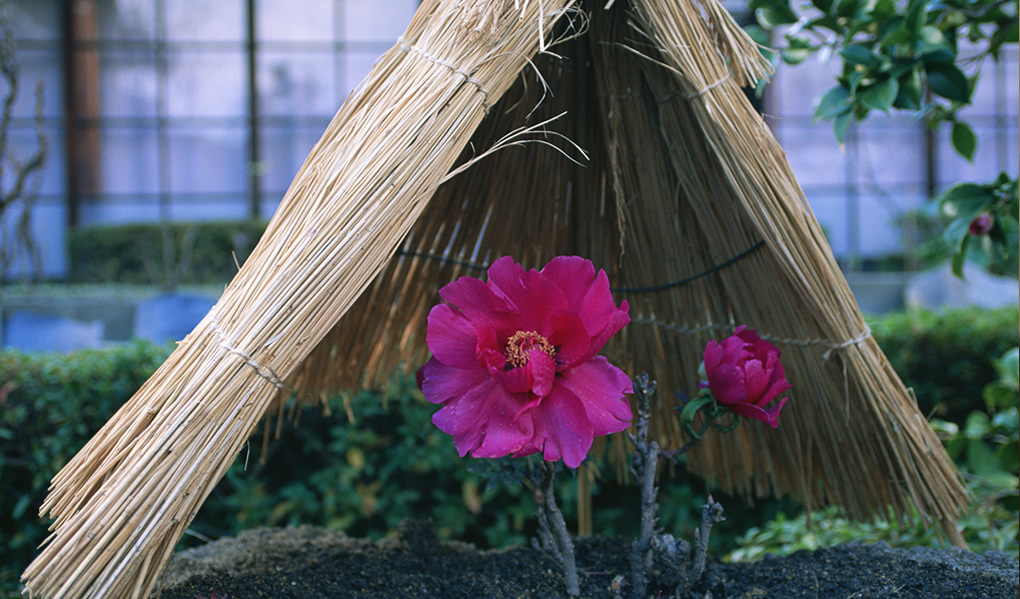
798	50
822	5
833	103
881	96
691	410
911	88
947	80
965	200
981	459
1008	367
840	126
883	10
964	140
960	257
1009	457
976	425
860	55
777	15
933	46
917	15
1013	34
900	35
997	396
847	8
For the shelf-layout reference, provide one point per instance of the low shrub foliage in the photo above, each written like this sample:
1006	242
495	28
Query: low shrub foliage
166	255
375	458
947	357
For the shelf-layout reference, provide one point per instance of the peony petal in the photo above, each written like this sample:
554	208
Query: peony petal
562	428
769	416
441	383
531	294
727	384
451	337
543	372
569	337
778	386
602	389
479	304
573	275
597	307
483	417
713	355
755	380
617	320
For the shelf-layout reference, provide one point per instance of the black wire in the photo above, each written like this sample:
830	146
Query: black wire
715	268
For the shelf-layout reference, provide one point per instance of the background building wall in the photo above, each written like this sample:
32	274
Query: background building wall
190	110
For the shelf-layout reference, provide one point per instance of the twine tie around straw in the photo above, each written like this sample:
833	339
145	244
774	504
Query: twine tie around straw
468	77
262	370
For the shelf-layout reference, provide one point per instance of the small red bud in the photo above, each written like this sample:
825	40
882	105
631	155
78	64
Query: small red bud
981	224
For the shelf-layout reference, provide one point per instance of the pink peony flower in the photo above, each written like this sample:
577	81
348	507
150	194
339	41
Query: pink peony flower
744	374
514	361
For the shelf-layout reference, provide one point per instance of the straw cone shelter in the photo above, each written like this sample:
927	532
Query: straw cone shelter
531	128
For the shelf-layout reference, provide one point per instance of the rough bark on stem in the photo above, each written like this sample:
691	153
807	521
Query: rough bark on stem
551	518
646	457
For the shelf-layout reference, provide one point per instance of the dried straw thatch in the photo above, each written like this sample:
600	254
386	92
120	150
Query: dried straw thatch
680	192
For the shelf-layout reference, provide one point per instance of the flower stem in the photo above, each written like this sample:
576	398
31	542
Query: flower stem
551	519
646	457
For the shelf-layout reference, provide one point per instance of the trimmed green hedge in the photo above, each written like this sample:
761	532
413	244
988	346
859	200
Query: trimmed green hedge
365	476
947	357
50	406
165	255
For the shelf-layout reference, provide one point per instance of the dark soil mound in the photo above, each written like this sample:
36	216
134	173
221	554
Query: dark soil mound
311	563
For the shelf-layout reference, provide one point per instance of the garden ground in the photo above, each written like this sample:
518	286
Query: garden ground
312	563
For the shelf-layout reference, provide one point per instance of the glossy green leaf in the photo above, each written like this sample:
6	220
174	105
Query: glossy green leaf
860	55
776	16
847	8
881	96
833	103
840	125
960	257
981	460
823	5
1008	368
964	200
899	35
883	9
798	50
1009	457
947	80
964	140
916	16
911	89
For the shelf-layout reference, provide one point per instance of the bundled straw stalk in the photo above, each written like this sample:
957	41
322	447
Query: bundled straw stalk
680	192
123	502
688	202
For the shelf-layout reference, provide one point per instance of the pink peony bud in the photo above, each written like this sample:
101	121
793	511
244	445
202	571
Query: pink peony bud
981	224
744	375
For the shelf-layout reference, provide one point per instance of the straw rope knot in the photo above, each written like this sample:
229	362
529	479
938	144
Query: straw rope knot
468	77
851	342
261	370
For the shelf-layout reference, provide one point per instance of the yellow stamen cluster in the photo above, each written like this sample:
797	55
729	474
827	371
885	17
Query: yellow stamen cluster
518	346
